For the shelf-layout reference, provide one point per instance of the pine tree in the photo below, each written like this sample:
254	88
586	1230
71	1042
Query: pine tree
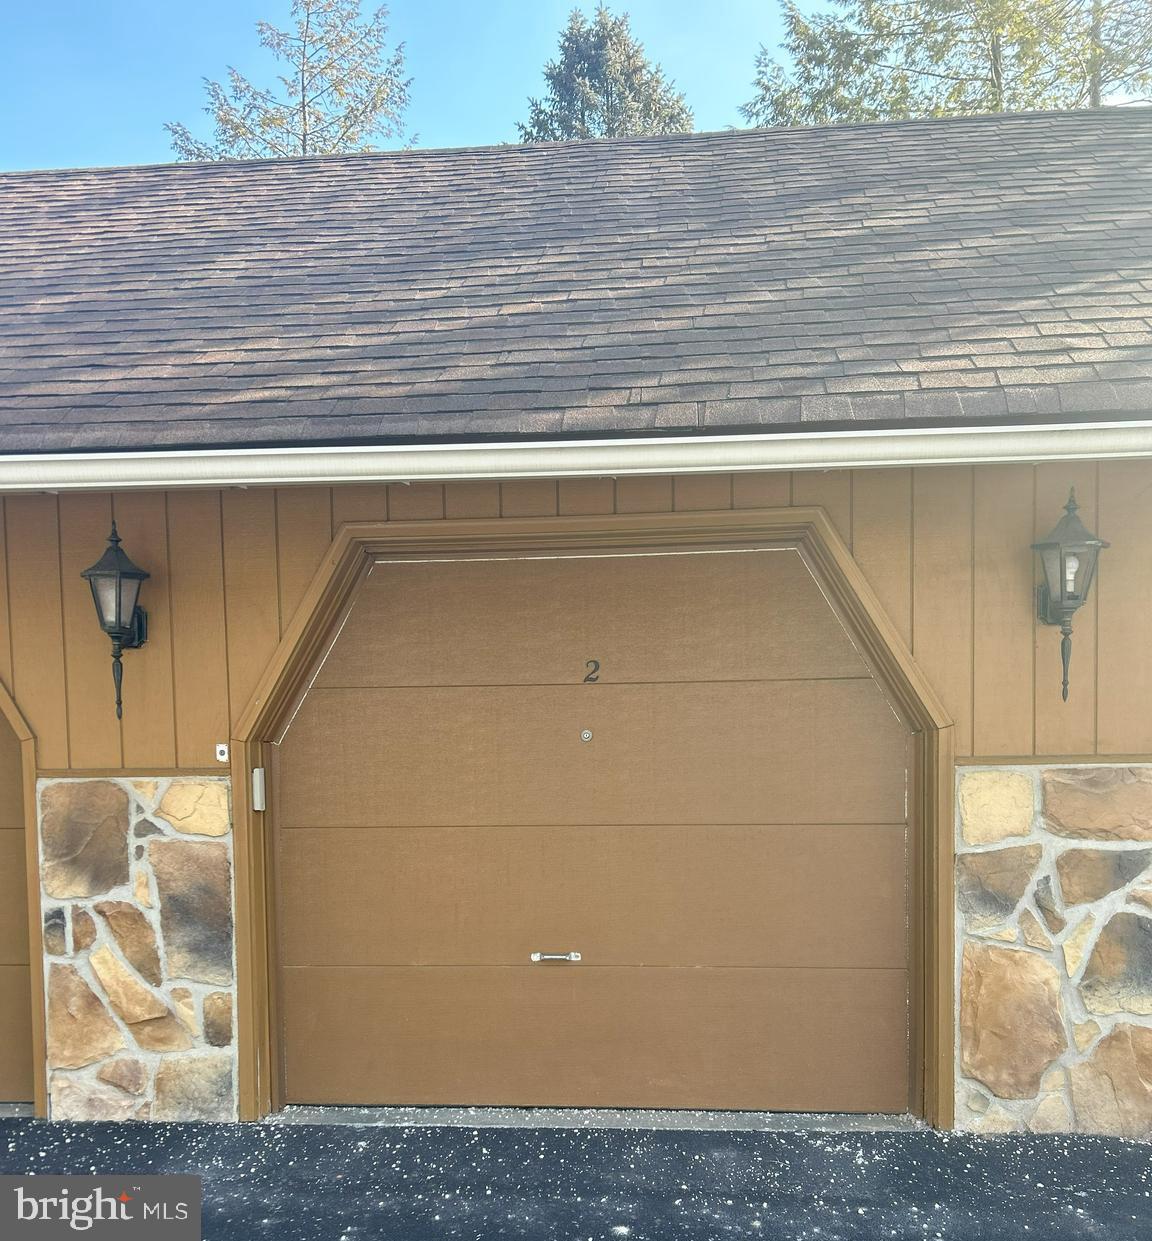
891	59
603	86
342	89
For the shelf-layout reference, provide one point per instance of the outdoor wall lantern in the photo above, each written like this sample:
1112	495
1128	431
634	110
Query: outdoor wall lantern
115	583
1068	556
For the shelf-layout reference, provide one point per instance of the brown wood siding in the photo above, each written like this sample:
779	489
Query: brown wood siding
945	548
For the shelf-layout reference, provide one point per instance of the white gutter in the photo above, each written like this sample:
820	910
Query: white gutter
808	450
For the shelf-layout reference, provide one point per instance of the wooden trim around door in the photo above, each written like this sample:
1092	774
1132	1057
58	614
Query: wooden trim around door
27	739
808	530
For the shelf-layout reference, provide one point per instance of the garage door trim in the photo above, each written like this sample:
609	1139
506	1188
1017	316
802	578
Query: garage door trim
807	530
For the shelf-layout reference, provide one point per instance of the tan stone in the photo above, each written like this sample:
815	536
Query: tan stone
1046	903
990	885
146	791
1004	934
1054	1079
997	1119
186	1008
995	805
1141	896
218	1019
196	1087
1112	1091
1011	1029
1083	1032
197	807
194	883
165	1033
1090	874
80	1030
83	930
1051	1116
1118	976
84	837
75	1099
55	932
1099	803
131	999
142	889
1076	944
134	937
128	1075
1032	931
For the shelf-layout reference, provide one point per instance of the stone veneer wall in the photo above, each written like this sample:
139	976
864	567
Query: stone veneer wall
139	963
1054	949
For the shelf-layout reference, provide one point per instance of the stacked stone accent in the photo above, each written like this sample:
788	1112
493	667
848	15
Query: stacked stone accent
139	964
1054	940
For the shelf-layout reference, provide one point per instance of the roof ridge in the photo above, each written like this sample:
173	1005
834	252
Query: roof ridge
1144	112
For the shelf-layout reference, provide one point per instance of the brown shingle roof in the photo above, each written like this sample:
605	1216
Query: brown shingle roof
966	269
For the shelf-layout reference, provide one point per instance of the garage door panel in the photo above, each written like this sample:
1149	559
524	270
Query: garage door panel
13	900
571	1036
15	1034
826	895
756	752
643	618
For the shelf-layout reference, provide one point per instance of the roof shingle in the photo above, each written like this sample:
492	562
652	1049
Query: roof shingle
965	270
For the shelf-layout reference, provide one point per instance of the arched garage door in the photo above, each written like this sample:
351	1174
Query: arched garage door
676	765
15	993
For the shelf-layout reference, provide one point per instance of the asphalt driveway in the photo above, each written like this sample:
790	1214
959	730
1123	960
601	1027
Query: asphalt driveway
346	1182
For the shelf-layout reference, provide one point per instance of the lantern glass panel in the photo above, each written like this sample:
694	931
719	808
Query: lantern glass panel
129	593
107	597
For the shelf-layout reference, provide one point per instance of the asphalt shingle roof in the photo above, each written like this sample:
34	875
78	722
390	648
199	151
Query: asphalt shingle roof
979	269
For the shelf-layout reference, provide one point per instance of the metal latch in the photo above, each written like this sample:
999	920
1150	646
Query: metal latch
555	956
259	799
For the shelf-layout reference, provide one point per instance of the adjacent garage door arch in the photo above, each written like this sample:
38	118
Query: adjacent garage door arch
808	532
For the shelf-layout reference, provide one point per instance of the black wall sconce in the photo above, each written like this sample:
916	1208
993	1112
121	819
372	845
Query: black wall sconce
1068	556
115	583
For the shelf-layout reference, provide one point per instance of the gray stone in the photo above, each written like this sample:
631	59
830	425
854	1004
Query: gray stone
195	1087
1049	910
1118	976
193	879
990	885
84	837
56	932
1090	874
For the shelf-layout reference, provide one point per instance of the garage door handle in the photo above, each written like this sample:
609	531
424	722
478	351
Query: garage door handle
555	956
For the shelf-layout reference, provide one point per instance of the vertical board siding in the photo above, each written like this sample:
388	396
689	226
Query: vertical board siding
882	539
251	590
1003	638
1124	673
39	682
831	490
945	548
942	588
303	535
148	730
199	630
85	521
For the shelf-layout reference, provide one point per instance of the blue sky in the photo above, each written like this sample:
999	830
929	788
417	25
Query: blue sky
91	82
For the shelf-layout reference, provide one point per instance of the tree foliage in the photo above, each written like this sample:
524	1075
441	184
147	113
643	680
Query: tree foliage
890	59
603	86
341	89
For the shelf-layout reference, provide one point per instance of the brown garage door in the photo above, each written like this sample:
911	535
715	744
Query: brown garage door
15	997
676	765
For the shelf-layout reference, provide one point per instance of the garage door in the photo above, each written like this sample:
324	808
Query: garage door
15	1001
676	766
